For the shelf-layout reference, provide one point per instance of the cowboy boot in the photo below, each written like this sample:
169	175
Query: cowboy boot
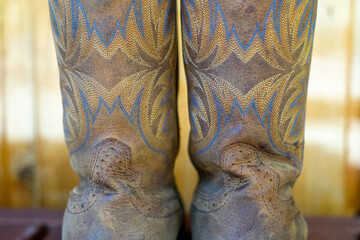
247	64
117	62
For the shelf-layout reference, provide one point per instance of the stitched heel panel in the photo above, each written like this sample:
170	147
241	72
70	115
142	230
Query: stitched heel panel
81	203
153	206
112	165
110	172
240	162
211	202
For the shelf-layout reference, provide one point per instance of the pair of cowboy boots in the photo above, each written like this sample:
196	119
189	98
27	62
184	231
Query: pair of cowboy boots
247	67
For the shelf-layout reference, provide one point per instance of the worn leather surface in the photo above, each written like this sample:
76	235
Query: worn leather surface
117	62
247	65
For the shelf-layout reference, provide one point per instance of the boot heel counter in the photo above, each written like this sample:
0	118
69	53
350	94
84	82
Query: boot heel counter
241	162
111	163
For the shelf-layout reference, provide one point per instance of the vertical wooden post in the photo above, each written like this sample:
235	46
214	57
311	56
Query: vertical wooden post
351	182
4	177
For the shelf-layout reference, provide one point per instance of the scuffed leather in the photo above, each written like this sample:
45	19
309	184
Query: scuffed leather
117	62
247	65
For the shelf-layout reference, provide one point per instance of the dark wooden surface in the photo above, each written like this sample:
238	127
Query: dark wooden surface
334	228
46	225
30	224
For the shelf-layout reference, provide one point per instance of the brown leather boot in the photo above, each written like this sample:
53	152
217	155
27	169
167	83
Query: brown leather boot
117	61
247	65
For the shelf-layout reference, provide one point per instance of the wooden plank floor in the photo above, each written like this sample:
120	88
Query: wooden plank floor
46	225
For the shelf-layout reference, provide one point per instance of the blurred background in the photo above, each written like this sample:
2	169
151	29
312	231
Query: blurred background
34	167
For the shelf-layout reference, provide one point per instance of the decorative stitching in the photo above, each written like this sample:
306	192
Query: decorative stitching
111	172
284	42
239	160
84	96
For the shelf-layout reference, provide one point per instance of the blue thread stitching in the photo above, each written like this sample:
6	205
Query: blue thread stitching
87	110
312	34
66	128
137	8
165	98
87	123
218	124
221	113
294	124
166	25
215	8
276	17
213	21
65	103
165	121
310	22
312	27
193	101
194	128
267	114
186	27
136	106
294	103
56	28
192	2
270	137
138	17
137	103
298	2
